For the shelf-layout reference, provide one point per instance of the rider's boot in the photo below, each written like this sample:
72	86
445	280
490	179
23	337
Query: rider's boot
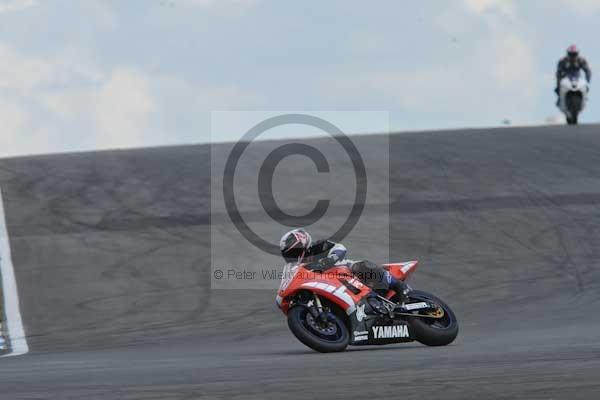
375	303
400	287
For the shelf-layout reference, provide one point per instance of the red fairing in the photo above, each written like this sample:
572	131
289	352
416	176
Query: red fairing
401	270
328	284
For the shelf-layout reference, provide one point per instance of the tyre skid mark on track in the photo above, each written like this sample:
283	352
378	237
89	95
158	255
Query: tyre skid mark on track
461	205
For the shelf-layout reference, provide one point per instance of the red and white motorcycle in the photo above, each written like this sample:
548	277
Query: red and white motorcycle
329	310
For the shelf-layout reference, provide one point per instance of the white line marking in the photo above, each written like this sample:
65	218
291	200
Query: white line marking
14	323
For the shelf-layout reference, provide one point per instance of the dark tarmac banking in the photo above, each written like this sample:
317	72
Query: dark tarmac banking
111	256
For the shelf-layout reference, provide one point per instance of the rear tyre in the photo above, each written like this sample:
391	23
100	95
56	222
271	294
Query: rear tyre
433	331
328	337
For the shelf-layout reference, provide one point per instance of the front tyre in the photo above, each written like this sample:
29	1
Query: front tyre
574	105
433	331
324	337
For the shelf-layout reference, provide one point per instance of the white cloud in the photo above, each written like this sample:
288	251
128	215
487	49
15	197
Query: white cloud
556	119
105	15
513	66
584	7
14	5
124	107
480	58
214	3
205	97
13	120
505	64
118	111
21	132
481	7
495	77
64	104
24	74
226	98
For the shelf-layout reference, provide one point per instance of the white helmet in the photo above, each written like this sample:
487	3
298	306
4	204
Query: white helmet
293	245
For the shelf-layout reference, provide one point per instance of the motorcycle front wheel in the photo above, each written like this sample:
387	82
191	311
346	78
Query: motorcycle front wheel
324	337
574	103
572	120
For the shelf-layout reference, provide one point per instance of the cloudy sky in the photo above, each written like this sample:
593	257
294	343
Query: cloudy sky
95	74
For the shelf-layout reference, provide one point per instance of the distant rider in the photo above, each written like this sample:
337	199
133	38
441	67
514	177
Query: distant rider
297	246
572	62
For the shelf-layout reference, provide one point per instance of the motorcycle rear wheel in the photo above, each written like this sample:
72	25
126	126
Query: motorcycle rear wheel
433	331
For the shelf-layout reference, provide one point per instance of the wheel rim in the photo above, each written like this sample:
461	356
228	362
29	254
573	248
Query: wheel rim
330	330
443	322
440	323
446	319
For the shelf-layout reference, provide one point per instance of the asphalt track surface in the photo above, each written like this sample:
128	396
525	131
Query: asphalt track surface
112	258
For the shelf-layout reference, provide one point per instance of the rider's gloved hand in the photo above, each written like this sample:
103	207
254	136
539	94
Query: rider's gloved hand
322	264
326	262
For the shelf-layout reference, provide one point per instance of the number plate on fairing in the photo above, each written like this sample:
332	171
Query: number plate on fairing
415	306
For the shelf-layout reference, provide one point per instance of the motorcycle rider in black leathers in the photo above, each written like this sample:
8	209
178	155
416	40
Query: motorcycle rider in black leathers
297	246
572	62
